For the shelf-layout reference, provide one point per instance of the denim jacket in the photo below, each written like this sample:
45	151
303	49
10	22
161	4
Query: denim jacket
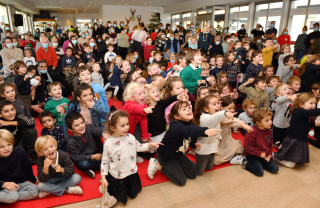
97	112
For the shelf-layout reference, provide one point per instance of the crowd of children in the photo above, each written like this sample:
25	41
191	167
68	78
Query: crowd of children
176	101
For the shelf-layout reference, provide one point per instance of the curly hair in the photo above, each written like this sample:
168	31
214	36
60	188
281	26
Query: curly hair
248	102
259	114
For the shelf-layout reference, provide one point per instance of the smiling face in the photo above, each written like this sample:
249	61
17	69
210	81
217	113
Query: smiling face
197	59
225	90
213	106
49	150
8	112
56	91
22	70
284	90
269	72
5	148
290	62
78	127
231	57
139	95
48	122
203	93
261	86
295	86
177	88
265	123
154	94
274	82
121	128
85	77
231	107
157	57
286	49
9	93
205	72
309	105
258	58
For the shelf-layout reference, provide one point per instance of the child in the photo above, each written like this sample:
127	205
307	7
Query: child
96	76
219	67
166	54
201	92
152	69
55	169
258	145
268	51
193	44
225	90
68	65
294	84
191	74
287	71
272	83
58	105
310	75
255	67
249	106
182	63
268	71
223	79
148	48
232	68
247	61
284	51
213	91
212	61
208	114
15	172
157	57
211	81
225	44
295	148
48	121
92	110
81	145
84	75
118	164
315	90
88	56
110	55
22	81
172	160
151	55
205	72
29	59
282	117
257	93
16	123
229	147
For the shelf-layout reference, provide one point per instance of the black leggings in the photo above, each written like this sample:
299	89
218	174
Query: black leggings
316	142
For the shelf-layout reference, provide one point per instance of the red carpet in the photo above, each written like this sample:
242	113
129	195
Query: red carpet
90	186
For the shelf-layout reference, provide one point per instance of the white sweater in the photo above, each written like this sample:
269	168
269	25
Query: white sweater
210	145
119	156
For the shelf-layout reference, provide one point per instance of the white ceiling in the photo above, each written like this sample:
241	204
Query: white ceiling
90	6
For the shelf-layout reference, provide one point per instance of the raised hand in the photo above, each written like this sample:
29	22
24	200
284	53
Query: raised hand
230	115
148	110
90	104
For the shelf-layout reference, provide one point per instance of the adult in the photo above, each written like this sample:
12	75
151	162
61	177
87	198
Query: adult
48	54
119	28
205	40
137	37
242	32
284	38
7	30
57	47
88	29
179	38
272	31
299	45
173	44
96	31
258	31
177	29
256	43
37	95
92	42
123	43
37	33
107	27
82	39
160	41
311	38
1	27
154	34
198	30
66	42
58	30
216	47
77	49
168	29
10	55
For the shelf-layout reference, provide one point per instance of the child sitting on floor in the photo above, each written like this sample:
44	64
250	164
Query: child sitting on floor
249	106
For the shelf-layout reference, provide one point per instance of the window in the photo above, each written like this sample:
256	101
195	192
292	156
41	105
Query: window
237	17
186	19
81	23
175	21
20	28
4	15
219	18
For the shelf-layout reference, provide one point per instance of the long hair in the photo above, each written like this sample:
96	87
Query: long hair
221	73
169	86
281	50
227	60
80	87
204	103
302	99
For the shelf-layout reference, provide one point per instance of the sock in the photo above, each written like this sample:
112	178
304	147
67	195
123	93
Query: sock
66	190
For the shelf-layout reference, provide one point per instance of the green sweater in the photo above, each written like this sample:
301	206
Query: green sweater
190	77
52	106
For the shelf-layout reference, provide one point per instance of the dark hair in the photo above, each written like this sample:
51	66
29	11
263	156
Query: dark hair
286	59
175	108
316	24
45	114
68	48
3	86
4	103
226	100
70	117
32	67
42	61
8	38
77	92
200	108
107	68
17	65
129	76
258	79
82	69
180	55
114	118
254	54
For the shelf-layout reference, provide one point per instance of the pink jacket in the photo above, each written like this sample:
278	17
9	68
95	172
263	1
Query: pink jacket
168	110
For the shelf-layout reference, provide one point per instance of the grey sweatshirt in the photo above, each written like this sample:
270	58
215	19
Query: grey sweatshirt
281	116
245	118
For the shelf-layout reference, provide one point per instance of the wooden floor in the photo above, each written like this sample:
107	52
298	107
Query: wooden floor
234	187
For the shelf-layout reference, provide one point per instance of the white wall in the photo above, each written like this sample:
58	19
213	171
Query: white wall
118	13
69	19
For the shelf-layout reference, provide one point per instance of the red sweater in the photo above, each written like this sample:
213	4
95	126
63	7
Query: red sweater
24	43
258	141
147	51
50	56
153	35
170	65
284	39
136	115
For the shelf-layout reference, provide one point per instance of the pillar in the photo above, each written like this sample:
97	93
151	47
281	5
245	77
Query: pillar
251	13
213	15
226	16
284	15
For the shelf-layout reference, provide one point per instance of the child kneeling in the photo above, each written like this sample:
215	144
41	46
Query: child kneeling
14	160
55	169
258	145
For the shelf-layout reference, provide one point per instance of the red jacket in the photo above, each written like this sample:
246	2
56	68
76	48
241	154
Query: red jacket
147	51
24	43
153	35
50	56
284	39
258	141
136	115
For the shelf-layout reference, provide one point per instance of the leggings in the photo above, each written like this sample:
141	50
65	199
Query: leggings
204	162
279	134
178	170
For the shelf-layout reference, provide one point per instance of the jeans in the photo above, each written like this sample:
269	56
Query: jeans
299	53
279	134
85	165
27	191
204	162
57	186
256	165
178	170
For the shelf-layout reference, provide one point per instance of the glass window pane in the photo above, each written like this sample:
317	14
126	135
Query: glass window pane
234	9
314	2
244	8
219	12
277	5
262	7
4	15
277	25
311	20
242	21
299	3
297	24
233	27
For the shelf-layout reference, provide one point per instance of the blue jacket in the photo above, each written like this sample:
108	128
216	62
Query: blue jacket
100	95
97	112
115	78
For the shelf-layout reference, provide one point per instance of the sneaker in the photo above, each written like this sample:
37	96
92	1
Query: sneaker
278	145
43	194
311	133
33	158
152	168
75	190
139	159
90	173
237	160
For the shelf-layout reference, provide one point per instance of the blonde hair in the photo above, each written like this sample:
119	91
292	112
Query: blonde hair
293	79
148	101
150	66
128	93
117	56
277	89
7	136
130	57
41	141
205	65
302	99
